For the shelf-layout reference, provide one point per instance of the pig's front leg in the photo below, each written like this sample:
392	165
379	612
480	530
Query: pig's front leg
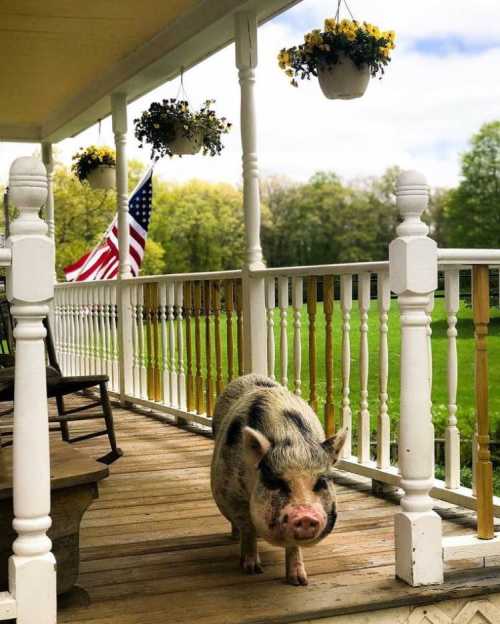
295	569
250	561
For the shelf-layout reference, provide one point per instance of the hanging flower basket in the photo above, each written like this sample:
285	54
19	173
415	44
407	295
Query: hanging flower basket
96	165
342	57
171	128
343	81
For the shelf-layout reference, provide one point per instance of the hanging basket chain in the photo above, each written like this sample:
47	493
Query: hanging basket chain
337	14
181	92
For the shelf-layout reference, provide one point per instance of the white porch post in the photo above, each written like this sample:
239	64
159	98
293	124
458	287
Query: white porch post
119	119
254	311
48	161
30	287
413	276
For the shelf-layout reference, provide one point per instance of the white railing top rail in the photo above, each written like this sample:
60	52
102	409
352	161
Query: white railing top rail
324	269
468	257
85	284
168	277
186	277
456	257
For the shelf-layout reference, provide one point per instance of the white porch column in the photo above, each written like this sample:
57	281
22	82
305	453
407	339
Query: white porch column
413	276
48	161
254	311
119	118
30	287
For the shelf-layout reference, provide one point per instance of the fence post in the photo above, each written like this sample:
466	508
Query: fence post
413	277
254	308
30	287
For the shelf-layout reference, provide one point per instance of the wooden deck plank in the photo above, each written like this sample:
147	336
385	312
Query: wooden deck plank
155	548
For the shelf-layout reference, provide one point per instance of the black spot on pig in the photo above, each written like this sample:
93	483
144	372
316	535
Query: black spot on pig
256	414
266	383
270	478
299	423
234	432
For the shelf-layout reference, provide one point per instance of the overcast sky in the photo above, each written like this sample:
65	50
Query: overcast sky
442	84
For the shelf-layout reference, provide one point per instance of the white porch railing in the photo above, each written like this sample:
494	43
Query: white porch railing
187	334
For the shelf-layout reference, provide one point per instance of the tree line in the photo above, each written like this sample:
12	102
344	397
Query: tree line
198	226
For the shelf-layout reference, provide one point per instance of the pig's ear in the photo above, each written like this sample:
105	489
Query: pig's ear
334	445
256	444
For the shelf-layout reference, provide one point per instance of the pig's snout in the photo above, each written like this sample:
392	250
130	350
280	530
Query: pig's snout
302	523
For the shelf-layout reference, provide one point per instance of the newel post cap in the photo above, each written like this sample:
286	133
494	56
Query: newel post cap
28	184
412	199
31	274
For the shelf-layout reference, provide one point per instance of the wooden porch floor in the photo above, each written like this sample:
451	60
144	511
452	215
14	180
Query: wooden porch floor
155	549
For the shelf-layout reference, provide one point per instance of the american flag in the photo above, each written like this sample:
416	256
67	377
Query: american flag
103	261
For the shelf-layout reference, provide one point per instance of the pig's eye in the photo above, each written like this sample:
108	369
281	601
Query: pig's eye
270	480
321	484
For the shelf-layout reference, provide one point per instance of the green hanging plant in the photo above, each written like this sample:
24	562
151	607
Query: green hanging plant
88	159
170	127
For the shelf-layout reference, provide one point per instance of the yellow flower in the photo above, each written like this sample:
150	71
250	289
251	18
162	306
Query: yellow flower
330	25
289	72
390	35
283	59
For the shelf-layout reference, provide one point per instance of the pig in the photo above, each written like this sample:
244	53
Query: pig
271	473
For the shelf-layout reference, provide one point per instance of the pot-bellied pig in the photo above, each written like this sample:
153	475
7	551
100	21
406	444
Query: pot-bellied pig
272	471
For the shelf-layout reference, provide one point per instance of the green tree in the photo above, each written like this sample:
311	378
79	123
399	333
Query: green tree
326	221
472	211
199	225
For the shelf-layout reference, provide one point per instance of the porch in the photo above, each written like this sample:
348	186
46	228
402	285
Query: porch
154	543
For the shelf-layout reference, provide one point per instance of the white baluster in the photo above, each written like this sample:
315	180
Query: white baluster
270	305
364	414
64	332
98	361
384	422
142	347
113	299
164	344
413	274
57	323
103	340
297	302
346	304
171	343
77	330
452	435
136	375
30	286
90	299
71	337
428	310
181	385
283	306
86	324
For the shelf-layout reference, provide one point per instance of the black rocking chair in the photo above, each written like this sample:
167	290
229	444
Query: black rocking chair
58	386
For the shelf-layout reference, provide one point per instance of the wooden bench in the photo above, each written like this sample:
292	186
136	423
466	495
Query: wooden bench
74	484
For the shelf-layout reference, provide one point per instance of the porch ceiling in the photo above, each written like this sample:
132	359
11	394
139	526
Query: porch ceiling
61	60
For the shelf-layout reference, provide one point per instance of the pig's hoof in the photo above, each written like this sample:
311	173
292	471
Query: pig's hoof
251	565
297	576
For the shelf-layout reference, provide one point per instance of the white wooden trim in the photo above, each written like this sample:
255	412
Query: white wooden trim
173	411
7	606
469	546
